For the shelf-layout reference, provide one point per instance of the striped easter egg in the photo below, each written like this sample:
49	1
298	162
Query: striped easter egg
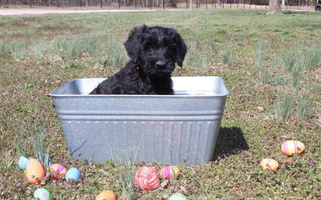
292	147
269	164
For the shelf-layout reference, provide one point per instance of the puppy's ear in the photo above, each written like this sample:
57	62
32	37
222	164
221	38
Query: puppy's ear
134	41
181	49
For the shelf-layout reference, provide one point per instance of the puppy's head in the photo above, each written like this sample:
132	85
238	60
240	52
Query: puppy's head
156	49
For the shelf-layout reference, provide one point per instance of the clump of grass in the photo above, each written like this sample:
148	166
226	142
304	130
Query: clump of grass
29	85
292	104
22	142
77	48
268	73
289	60
260	56
239	41
284	107
312	56
276	77
198	43
215	46
303	107
17	49
115	53
295	74
3	47
32	128
38	139
228	56
194	57
265	76
295	103
81	52
126	176
74	64
200	62
293	66
125	165
221	31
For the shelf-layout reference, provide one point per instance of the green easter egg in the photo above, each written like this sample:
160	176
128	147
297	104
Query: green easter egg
177	196
42	194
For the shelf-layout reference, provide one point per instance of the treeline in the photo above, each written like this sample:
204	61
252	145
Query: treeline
145	3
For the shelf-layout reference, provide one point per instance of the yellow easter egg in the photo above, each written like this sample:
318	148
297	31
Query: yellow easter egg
106	195
291	147
58	171
170	172
34	171
270	164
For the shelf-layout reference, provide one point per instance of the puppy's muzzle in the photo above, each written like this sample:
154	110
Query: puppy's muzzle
161	64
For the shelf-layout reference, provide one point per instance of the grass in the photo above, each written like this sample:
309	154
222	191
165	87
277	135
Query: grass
270	64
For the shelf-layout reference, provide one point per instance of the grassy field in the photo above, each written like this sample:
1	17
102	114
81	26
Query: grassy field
270	64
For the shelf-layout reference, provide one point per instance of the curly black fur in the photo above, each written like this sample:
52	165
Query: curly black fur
153	52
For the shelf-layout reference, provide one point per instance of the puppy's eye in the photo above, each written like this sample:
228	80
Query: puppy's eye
148	47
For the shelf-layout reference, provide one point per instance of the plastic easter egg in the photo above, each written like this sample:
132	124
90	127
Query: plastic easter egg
177	196
58	171
146	178
73	174
170	172
22	162
270	164
291	147
106	195
34	171
42	194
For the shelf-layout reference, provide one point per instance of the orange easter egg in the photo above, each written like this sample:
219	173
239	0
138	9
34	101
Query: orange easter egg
58	171
269	164
146	178
170	172
291	147
106	195
34	171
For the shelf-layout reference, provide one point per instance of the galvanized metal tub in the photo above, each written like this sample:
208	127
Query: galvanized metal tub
164	128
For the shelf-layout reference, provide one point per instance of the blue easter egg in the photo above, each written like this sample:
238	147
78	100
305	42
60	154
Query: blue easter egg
23	161
73	174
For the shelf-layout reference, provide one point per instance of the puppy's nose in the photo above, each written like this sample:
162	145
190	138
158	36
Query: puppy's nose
161	64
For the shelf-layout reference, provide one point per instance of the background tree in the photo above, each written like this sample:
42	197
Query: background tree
274	7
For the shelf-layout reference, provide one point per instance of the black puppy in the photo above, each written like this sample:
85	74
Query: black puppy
153	52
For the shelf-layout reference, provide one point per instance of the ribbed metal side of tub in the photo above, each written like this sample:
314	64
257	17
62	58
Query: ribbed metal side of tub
167	129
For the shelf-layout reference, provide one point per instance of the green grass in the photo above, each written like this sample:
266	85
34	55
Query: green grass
270	64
